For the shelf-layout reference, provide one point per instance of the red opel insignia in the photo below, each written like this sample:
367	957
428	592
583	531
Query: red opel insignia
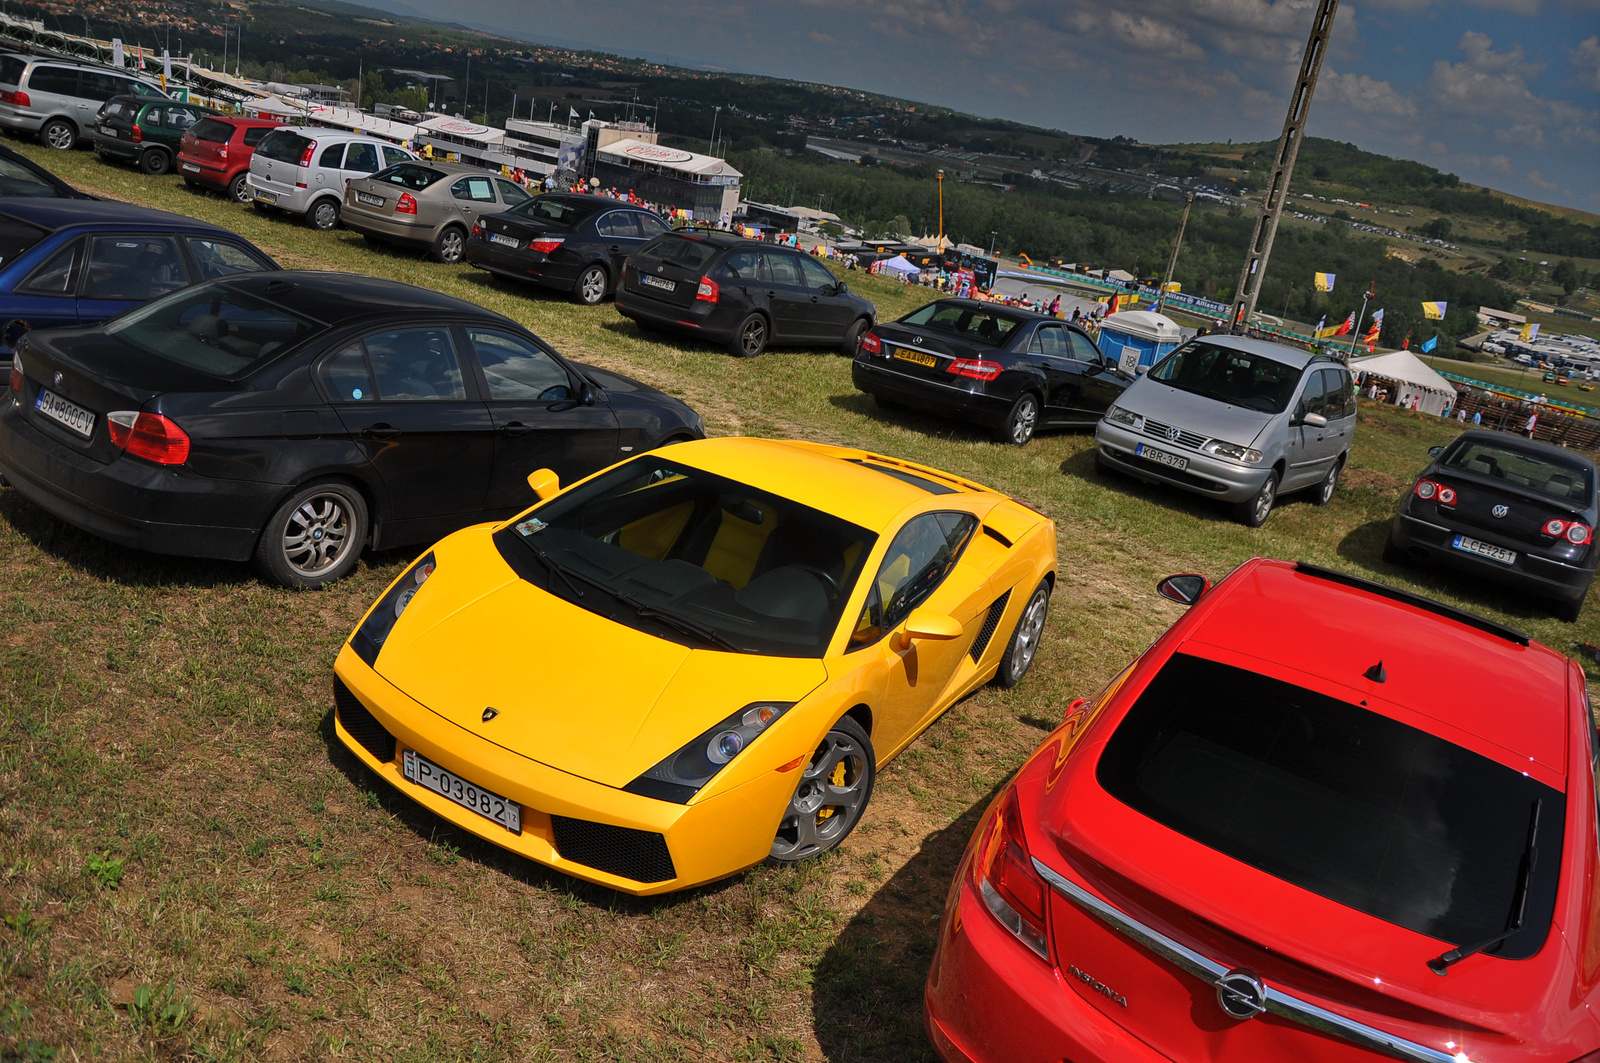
1319	820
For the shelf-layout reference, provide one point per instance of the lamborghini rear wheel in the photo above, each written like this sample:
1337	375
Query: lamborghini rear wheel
832	792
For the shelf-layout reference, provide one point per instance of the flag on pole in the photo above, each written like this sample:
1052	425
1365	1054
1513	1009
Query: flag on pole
166	64
1322	323
1429	345
1372	334
116	51
1324	282
1347	326
572	114
1434	311
1530	332
1405	344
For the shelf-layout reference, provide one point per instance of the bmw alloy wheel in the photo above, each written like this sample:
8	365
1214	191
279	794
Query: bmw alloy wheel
592	285
829	798
317	536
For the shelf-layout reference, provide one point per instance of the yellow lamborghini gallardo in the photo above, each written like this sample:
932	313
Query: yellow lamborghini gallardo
694	660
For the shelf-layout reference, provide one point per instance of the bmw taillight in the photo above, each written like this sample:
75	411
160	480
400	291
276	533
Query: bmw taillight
305	156
407	204
18	98
16	372
976	368
477	227
871	343
150	436
1011	889
138	134
546	244
708	292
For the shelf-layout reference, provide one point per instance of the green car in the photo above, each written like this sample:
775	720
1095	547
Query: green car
145	131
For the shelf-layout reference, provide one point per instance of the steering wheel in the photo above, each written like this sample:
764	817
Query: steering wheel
828	582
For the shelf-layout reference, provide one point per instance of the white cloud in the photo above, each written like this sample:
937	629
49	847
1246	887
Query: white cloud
1586	60
1365	95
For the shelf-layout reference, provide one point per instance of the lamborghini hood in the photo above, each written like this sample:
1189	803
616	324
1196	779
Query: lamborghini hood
570	688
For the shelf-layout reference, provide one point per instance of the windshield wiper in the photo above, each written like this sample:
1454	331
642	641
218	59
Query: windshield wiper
556	568
1442	963
689	627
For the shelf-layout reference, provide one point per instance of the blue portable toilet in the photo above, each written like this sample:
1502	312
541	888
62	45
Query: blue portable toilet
1138	337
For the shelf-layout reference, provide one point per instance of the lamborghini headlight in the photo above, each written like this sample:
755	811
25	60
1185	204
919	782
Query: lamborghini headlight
1232	451
369	637
680	776
1126	418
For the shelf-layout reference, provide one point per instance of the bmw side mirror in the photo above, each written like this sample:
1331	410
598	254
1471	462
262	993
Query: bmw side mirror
1184	588
929	624
1434	452
545	483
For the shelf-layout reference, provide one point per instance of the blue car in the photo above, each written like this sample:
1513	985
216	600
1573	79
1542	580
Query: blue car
67	262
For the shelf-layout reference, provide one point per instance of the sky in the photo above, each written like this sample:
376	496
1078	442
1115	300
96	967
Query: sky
1504	93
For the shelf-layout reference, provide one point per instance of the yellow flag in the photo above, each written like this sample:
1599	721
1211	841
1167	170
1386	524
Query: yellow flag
1434	311
1325	282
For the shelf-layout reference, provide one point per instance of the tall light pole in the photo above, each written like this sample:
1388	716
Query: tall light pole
1360	320
993	235
941	212
1294	126
1172	261
712	144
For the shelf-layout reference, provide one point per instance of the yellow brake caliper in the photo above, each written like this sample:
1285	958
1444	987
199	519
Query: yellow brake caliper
835	779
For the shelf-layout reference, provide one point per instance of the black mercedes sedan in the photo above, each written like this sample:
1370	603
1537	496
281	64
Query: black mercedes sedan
573	243
1504	509
1010	371
294	418
741	293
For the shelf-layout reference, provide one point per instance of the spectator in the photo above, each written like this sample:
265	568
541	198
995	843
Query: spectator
1533	423
1477	417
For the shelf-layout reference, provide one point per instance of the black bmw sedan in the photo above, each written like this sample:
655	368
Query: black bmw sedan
295	418
573	243
1010	371
1507	510
741	293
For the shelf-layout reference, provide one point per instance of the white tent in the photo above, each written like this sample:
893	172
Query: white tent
1407	376
899	264
1119	275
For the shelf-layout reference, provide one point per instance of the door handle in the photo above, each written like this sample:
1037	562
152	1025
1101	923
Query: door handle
515	428
772	295
615	248
381	430
814	299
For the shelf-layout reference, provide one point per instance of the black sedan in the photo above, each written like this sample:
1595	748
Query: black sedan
573	243
1504	509
295	418
1010	371
741	293
21	176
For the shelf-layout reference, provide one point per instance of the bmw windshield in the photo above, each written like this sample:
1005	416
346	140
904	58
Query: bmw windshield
1238	378
694	558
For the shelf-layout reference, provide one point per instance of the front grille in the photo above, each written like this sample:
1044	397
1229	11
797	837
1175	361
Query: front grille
1163	432
362	725
986	632
639	855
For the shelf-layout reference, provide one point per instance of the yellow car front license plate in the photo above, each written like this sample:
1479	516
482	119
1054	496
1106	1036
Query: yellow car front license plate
920	357
491	806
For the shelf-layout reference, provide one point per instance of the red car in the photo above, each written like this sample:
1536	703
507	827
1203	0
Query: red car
1319	819
215	153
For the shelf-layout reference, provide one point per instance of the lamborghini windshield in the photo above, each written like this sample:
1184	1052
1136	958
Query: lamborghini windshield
693	557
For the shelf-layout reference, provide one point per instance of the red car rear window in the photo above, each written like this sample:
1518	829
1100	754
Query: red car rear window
212	130
1343	801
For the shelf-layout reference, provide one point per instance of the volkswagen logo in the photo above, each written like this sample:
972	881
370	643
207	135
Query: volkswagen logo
1500	511
58	378
1172	434
1242	994
490	713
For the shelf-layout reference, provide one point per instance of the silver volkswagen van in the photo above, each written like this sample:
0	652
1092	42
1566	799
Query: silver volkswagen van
1238	419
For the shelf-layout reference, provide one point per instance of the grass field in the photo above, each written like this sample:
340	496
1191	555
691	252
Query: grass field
191	868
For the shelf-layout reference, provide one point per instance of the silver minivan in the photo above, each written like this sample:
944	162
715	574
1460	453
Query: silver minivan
57	99
304	171
1236	419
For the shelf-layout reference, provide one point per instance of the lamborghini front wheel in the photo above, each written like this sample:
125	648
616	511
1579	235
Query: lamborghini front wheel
833	791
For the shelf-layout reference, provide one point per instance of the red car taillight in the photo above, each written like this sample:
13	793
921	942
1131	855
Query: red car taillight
138	134
305	156
871	343
18	98
546	244
407	204
708	292
222	152
1576	532
1011	889
976	368
149	436
477	228
16	373
1425	489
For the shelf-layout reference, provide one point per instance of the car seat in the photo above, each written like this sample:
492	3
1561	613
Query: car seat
1560	485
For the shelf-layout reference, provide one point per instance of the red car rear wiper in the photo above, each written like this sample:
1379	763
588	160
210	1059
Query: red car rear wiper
1441	964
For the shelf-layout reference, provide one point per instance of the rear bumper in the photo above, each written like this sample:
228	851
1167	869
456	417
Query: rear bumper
1204	475
115	147
990	1000
688	320
386	226
934	396
1539	575
193	169
522	265
293	200
19	121
160	508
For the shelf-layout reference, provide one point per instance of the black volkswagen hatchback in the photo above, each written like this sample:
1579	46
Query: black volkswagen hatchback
573	243
1504	509
742	293
1010	371
295	418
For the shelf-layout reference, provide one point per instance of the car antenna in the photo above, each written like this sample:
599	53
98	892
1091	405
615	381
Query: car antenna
1376	673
